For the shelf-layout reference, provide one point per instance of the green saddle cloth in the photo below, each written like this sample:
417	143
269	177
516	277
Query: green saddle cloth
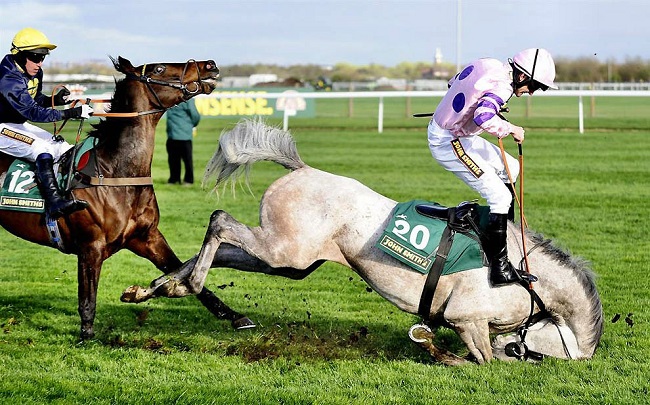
413	239
19	191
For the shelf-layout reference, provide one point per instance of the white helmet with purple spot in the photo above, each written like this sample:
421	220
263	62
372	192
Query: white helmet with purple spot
538	65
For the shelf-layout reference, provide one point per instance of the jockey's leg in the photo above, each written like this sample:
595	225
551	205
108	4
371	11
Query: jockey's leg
55	204
496	248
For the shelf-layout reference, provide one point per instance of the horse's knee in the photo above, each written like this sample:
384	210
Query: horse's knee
476	337
217	219
218	215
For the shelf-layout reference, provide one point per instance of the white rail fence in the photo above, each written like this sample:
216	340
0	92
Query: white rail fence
380	95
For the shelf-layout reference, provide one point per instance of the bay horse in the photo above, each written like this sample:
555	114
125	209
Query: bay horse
124	215
309	216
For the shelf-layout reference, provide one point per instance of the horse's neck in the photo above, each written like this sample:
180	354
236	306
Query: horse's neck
128	149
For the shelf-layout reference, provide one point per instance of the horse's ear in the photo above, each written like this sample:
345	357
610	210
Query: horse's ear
122	64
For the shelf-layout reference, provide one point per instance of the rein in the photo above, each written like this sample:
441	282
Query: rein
520	350
148	81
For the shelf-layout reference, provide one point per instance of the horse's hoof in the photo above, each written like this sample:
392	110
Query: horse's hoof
243	323
86	334
131	294
420	333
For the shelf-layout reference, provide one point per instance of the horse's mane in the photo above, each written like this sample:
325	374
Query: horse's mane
118	103
578	264
586	276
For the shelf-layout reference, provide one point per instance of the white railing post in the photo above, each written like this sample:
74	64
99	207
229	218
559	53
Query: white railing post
581	123
285	119
380	119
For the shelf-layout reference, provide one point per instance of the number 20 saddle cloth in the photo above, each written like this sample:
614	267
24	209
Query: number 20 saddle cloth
418	229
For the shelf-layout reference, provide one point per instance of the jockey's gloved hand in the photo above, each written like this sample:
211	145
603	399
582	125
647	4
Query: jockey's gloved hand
61	98
83	111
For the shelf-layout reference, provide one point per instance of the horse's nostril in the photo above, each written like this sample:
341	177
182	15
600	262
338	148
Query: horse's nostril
211	66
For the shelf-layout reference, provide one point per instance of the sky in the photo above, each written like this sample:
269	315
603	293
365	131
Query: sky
327	32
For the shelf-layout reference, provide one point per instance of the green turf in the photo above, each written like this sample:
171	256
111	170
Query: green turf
327	339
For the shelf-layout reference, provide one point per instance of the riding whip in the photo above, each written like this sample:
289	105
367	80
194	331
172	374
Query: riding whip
520	200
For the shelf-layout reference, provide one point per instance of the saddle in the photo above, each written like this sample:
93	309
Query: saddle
463	218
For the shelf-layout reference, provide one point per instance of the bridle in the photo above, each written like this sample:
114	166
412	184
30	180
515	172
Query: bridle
148	81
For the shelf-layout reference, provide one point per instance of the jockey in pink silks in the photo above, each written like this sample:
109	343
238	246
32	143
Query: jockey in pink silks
471	106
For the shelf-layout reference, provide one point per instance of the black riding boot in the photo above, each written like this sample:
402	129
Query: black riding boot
55	204
496	248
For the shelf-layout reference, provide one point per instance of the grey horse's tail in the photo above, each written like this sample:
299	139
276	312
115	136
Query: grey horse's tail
250	141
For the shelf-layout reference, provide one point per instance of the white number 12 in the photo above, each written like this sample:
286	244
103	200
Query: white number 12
17	185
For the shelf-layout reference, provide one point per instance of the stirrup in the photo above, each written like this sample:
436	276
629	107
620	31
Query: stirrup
527	277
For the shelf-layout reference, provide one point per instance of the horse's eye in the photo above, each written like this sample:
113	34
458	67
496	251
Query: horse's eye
160	69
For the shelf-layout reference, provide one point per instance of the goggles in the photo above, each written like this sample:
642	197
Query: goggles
35	57
534	85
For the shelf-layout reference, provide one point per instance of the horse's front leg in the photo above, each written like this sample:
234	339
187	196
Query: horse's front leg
89	266
423	336
476	336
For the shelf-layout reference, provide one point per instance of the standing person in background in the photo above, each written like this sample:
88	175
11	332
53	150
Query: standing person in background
471	106
181	122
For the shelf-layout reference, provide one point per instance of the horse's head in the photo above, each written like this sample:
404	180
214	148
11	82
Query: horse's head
172	83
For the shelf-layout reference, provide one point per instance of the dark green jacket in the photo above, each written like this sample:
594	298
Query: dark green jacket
181	119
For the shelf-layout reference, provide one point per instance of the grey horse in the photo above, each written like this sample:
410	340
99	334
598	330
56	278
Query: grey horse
305	220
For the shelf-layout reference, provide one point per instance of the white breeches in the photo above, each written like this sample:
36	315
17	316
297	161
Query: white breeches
27	141
476	162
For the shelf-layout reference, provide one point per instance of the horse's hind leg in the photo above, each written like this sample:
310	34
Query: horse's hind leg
190	278
277	254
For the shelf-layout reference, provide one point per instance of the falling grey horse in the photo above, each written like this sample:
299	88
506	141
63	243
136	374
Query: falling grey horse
310	216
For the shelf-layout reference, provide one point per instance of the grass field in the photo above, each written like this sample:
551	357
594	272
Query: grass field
328	339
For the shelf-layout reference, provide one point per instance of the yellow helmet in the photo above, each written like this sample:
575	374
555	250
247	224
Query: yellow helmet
30	39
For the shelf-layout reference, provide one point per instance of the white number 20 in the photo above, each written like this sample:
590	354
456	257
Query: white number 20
418	236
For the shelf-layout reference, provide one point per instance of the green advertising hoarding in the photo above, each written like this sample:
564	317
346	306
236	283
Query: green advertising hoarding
211	106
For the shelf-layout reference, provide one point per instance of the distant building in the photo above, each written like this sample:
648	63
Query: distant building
438	71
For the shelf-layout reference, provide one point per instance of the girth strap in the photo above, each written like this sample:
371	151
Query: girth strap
120	181
446	240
